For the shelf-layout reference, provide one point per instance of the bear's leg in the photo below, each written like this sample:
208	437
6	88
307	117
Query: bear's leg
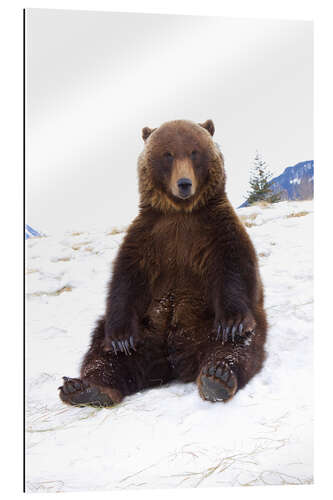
107	377
226	368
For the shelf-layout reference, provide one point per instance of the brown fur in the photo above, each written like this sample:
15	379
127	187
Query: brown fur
185	273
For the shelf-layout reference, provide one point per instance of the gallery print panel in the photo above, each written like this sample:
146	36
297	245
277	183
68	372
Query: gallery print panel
168	247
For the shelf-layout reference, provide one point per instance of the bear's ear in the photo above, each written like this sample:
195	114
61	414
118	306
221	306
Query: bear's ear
208	125
146	131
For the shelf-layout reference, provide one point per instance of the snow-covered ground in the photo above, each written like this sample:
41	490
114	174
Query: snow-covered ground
169	437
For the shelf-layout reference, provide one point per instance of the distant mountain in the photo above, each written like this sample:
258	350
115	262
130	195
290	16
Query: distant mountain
30	232
295	183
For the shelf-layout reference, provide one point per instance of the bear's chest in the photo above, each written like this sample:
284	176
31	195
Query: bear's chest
179	289
181	246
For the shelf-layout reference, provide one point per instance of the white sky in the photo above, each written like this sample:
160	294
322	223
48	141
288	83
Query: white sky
95	79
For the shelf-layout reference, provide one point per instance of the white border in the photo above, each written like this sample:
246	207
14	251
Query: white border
11	227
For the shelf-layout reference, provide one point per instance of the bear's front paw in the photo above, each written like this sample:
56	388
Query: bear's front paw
217	382
229	327
125	345
122	335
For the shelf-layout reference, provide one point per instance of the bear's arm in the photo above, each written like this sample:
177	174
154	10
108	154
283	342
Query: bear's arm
234	278
128	293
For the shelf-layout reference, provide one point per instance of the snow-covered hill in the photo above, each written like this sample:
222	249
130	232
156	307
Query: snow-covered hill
169	437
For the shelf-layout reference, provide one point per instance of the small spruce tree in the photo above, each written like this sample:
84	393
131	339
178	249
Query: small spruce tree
260	183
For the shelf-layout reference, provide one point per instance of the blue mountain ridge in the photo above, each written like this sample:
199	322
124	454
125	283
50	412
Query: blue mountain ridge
30	232
295	183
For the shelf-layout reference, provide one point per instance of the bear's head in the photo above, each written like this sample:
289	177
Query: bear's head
181	167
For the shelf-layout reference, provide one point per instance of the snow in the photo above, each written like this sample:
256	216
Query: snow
297	180
169	437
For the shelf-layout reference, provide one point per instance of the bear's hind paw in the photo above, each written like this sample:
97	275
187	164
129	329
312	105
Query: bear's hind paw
77	392
217	382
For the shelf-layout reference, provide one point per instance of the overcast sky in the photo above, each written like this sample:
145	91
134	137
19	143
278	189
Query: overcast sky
95	79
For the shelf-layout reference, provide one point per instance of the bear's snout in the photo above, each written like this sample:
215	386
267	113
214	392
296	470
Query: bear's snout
183	182
184	187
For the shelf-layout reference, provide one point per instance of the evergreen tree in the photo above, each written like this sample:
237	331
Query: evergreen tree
260	183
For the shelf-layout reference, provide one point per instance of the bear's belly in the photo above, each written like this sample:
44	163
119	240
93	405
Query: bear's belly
179	308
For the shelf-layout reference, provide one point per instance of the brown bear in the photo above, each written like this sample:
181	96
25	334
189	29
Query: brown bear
185	300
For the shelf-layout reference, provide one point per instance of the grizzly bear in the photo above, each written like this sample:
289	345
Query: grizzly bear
185	300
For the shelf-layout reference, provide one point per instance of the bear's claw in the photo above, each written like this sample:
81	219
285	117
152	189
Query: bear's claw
124	346
217	382
229	330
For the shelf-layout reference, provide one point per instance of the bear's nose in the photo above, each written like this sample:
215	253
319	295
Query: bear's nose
184	186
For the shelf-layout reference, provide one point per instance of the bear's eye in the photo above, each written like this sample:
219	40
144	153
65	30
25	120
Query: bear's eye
194	154
168	155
